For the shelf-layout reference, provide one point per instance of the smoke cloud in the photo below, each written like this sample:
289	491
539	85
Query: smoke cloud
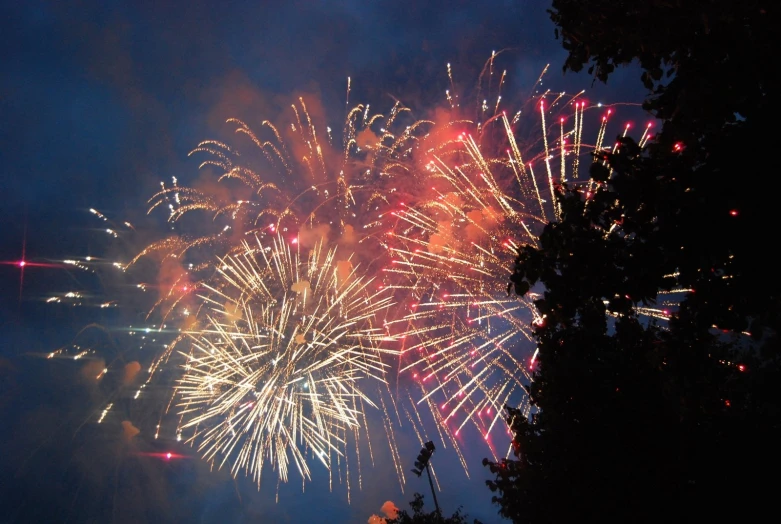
129	430
131	370
93	370
388	509
309	237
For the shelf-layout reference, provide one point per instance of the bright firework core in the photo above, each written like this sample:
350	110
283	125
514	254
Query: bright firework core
288	360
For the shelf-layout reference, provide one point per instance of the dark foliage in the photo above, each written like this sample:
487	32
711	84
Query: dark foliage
419	516
716	151
639	421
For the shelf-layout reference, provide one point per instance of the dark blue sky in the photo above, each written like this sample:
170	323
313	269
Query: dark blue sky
99	101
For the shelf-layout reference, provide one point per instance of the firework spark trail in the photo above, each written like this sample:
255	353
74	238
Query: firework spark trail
463	338
374	159
451	262
279	369
220	405
277	377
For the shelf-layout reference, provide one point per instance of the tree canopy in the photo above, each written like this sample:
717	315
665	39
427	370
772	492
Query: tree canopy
711	69
639	419
419	516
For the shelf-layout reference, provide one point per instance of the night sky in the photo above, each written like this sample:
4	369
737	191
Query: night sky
99	102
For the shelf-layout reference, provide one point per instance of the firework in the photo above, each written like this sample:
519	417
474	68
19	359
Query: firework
336	191
339	185
286	342
280	368
469	345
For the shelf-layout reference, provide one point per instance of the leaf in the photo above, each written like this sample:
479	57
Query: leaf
599	172
521	288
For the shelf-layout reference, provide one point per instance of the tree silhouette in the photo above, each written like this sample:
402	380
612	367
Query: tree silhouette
712	70
419	516
639	420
